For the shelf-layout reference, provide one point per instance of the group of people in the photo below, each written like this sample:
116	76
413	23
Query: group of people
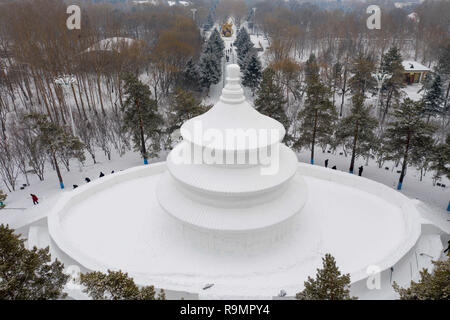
360	169
228	53
87	179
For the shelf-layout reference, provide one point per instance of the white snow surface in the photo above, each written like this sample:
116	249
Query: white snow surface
123	227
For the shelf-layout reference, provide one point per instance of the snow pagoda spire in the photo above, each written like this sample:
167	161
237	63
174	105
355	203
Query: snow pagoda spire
231	176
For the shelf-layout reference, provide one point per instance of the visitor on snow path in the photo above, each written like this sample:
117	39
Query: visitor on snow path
360	171
35	199
326	163
448	249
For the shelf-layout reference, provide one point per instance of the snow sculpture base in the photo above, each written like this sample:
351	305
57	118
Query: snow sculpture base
361	222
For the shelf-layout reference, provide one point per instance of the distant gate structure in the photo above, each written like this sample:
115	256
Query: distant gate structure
227	29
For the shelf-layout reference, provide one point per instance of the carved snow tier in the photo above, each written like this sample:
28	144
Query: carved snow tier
231	182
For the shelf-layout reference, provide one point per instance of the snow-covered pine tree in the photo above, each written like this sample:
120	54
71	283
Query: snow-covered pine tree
431	286
55	140
191	77
270	100
252	71
406	128
329	283
357	130
243	46
319	116
362	68
217	43
141	117
209	70
433	99
116	285
28	274
238	40
209	21
2	199
422	153
443	69
440	159
391	63
184	106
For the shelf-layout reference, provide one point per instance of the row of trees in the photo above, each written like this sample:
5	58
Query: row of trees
296	29
248	60
416	132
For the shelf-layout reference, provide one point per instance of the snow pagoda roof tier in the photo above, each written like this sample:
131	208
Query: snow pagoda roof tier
233	115
231	173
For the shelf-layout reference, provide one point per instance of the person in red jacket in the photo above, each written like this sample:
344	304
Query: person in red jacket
35	199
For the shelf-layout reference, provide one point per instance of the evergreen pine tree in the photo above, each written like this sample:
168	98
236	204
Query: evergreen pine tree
329	284
252	72
270	100
28	274
443	69
243	46
184	106
422	153
141	116
191	76
117	285
318	118
362	69
431	286
440	159
217	43
209	70
55	140
391	63
357	129
433	98
2	199
239	36
405	131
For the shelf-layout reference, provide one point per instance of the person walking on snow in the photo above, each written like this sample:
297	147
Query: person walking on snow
448	249
360	171
35	199
326	163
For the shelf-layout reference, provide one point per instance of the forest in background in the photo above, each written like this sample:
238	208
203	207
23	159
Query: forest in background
319	61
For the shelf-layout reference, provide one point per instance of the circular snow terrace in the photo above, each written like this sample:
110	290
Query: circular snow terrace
116	223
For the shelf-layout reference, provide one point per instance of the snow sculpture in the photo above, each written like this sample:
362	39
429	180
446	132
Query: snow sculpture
231	182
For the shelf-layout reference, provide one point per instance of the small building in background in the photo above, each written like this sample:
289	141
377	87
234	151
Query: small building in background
414	71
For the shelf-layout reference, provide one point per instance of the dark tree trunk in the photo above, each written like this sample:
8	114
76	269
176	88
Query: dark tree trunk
405	162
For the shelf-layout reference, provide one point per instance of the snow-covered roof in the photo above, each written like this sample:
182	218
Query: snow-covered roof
234	113
410	65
